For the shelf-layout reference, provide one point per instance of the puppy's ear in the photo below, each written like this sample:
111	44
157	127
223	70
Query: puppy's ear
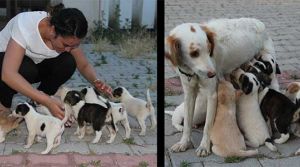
246	84
210	36
96	91
277	69
233	82
83	91
22	109
173	50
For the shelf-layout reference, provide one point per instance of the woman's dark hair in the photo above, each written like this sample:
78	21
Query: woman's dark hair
68	21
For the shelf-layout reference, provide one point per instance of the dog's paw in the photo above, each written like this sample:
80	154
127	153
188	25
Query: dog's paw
109	141
80	137
142	134
179	147
45	152
27	146
202	152
94	141
76	133
153	127
2	139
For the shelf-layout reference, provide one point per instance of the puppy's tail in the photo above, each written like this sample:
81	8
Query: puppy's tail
247	153
269	143
149	102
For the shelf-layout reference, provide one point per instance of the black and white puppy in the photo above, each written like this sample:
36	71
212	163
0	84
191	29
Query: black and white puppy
280	111
249	117
118	110
138	108
98	116
42	125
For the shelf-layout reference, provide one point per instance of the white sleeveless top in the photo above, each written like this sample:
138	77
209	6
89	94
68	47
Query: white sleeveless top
23	29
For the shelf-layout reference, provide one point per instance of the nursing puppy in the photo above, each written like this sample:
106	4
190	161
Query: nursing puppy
42	125
118	111
226	137
138	108
280	111
95	114
198	118
250	119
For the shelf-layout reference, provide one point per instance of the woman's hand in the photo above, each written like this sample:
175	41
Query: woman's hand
102	87
56	108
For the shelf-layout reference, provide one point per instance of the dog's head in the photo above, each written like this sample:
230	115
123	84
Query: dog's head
270	63
73	97
191	45
22	109
120	93
293	91
245	81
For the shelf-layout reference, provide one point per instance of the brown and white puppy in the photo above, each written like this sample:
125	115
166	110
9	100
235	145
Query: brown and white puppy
136	107
250	119
226	137
280	111
293	91
7	124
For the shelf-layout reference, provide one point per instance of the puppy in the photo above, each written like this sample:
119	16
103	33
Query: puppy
42	125
137	107
7	124
94	114
226	137
198	118
118	111
250	119
272	68
280	111
293	91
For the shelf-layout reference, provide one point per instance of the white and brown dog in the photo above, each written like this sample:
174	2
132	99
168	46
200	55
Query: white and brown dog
118	110
202	51
226	136
138	108
249	117
42	125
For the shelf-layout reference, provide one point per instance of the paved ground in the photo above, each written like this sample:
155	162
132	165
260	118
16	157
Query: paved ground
136	75
281	18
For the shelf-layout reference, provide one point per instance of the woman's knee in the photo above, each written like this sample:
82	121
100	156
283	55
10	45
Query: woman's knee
66	64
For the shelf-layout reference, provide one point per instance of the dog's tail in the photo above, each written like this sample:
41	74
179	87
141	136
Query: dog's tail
149	102
270	144
247	153
151	110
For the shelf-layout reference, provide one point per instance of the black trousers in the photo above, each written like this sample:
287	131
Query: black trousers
51	73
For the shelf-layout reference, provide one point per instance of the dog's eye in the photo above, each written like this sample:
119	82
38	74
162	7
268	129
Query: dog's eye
194	53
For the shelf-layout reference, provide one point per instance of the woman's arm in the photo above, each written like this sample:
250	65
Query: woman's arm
11	63
88	71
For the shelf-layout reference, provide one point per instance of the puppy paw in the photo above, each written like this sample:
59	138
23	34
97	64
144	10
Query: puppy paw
202	152
76	133
142	134
27	146
80	137
181	146
153	127
94	141
45	152
109	141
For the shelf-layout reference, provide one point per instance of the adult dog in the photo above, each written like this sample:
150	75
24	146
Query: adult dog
203	51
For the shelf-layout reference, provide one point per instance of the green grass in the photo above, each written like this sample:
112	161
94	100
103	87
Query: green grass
129	141
233	159
185	164
143	164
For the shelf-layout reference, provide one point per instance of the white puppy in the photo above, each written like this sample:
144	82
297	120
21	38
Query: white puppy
249	116
42	125
198	118
226	136
118	111
137	107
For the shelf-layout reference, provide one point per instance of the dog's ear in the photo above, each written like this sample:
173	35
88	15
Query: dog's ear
173	50
96	91
269	68
293	88
246	84
233	82
22	109
210	36
83	91
277	69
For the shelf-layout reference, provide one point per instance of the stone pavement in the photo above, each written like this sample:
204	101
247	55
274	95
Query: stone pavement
135	74
281	18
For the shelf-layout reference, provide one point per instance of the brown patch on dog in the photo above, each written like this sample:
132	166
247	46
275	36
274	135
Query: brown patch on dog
245	66
293	88
175	50
193	29
210	36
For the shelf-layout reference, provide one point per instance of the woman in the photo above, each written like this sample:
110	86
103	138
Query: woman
43	47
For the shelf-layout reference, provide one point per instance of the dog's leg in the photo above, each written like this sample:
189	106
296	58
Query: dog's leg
125	124
30	139
81	131
283	138
50	141
143	126
190	93
204	148
2	136
153	119
57	141
77	132
112	134
97	137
